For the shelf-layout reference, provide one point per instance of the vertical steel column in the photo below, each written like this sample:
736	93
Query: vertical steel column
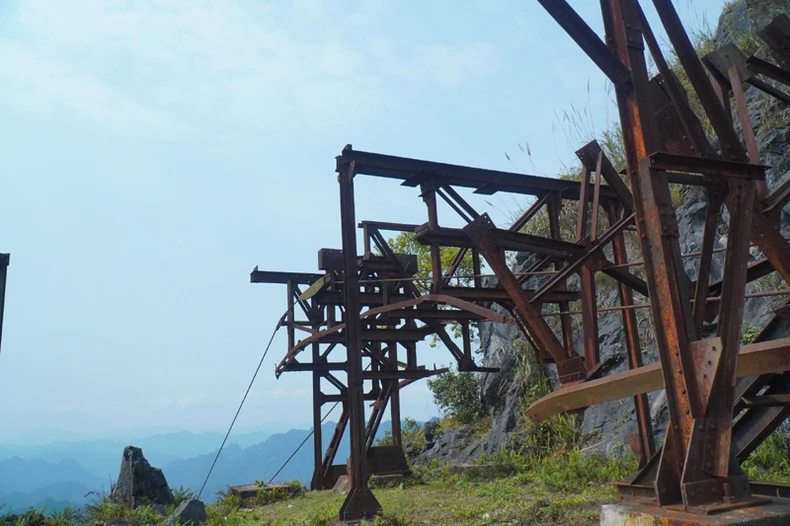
429	197
5	259
587	277
715	200
397	439
657	229
360	502
713	429
318	446
647	447
553	211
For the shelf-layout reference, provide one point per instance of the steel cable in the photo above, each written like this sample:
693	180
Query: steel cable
302	444
306	438
244	399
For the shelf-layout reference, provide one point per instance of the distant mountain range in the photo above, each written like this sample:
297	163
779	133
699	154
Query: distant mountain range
103	457
73	474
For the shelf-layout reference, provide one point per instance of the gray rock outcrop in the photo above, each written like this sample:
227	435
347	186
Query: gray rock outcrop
191	512
139	483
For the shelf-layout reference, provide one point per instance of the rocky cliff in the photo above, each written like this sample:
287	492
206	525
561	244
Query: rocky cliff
606	425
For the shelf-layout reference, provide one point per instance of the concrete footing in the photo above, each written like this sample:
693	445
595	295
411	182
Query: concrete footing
777	513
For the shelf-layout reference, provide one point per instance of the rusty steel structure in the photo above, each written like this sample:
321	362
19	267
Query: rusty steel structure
698	466
361	317
373	304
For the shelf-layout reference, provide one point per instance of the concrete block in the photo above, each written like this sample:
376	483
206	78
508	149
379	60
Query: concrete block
777	513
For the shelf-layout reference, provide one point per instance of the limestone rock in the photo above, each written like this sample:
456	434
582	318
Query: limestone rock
429	433
343	485
191	512
140	483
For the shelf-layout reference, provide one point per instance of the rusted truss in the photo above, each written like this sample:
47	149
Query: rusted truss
372	304
698	467
723	399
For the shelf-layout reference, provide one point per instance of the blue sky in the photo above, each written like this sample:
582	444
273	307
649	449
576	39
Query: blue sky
154	152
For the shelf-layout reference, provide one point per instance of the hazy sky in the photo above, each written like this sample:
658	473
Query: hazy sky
154	152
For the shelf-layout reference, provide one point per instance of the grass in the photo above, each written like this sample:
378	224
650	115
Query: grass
548	481
537	485
103	509
464	502
770	461
107	509
100	511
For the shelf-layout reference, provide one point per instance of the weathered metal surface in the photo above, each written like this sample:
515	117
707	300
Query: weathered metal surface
413	171
360	502
754	359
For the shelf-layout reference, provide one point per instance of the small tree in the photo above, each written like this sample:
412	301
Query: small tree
458	395
406	243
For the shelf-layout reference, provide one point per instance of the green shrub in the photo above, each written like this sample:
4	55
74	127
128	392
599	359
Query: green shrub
412	436
268	494
770	460
749	333
181	494
107	509
458	395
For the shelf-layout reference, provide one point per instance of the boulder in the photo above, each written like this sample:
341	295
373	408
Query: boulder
191	512
343	485
429	431
140	483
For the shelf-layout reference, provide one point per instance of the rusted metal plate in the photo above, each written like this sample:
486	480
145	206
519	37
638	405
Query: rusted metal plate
268	276
720	60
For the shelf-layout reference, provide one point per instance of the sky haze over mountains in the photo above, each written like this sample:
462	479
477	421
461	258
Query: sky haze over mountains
64	474
155	152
